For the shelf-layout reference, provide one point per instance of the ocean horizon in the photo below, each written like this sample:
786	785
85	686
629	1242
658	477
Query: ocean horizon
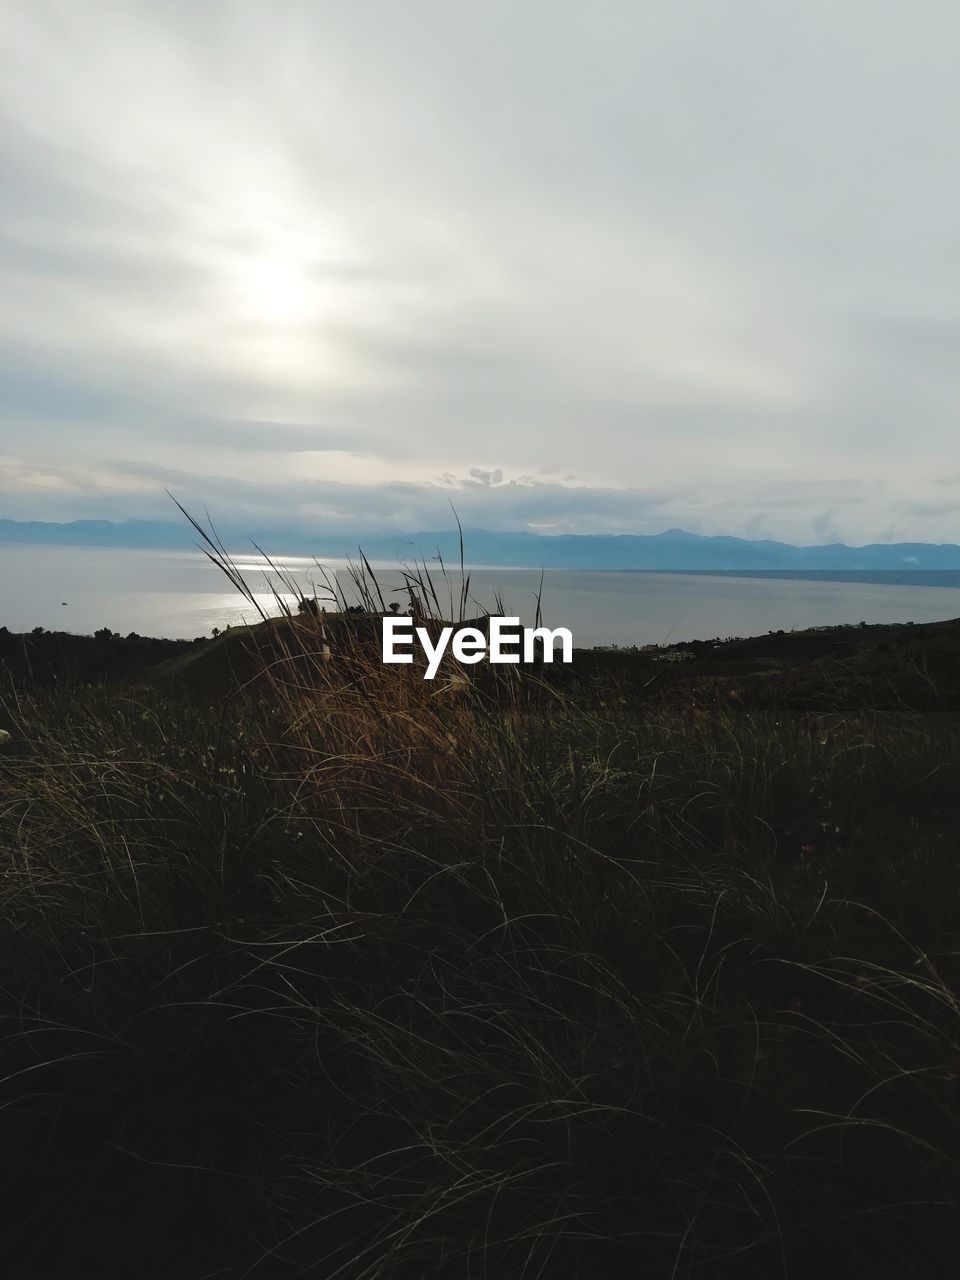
181	594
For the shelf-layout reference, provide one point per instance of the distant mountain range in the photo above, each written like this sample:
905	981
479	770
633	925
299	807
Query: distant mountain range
674	550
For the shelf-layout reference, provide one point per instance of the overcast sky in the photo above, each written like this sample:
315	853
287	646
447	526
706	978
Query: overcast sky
606	266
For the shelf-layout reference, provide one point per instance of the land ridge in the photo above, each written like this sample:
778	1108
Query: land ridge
808	666
672	549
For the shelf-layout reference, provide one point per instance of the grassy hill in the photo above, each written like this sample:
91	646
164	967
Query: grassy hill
310	967
898	665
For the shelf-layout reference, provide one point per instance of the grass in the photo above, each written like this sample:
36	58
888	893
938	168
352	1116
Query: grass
350	974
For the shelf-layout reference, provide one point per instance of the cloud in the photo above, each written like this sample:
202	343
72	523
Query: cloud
668	254
825	527
486	478
931	508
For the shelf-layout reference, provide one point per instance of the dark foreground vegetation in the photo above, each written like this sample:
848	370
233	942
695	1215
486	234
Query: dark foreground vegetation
310	967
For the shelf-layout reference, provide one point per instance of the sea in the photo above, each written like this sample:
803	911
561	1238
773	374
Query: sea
181	594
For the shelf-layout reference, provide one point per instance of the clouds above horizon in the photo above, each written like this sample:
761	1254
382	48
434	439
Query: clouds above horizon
594	268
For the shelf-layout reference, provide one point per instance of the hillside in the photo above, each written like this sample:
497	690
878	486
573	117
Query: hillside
646	965
673	550
880	666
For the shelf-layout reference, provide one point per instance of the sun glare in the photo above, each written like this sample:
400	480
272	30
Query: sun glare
282	271
276	289
278	263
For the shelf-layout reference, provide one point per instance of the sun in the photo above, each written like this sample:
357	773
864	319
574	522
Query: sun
285	281
276	288
280	264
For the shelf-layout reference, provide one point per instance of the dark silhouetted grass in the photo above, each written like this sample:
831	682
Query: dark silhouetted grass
357	975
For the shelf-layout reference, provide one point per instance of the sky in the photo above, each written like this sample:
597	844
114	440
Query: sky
609	267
